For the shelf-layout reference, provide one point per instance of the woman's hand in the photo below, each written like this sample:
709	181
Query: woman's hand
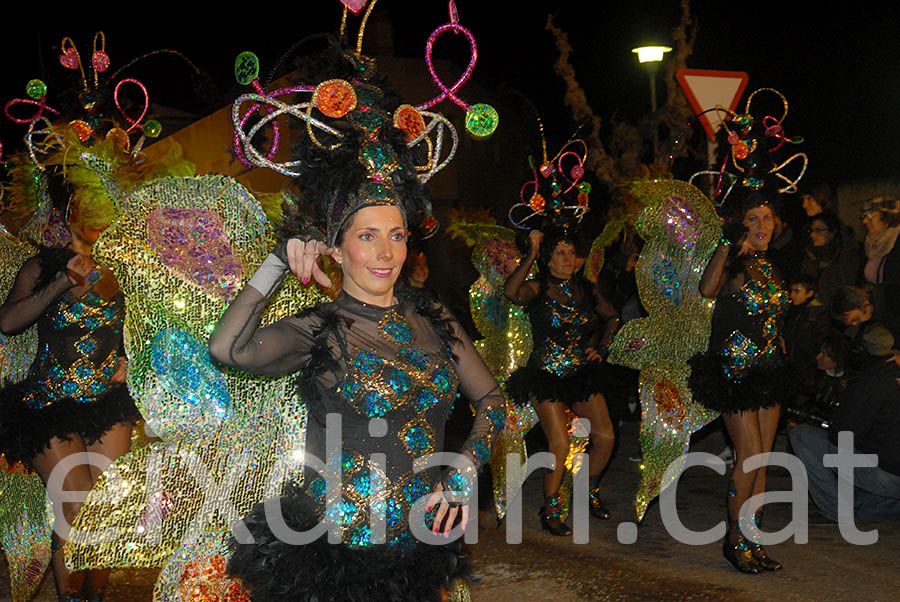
535	238
303	260
593	355
744	246
446	512
78	268
119	376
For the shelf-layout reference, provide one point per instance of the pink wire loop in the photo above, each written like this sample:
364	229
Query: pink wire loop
774	129
254	108
38	103
562	172
451	91
134	123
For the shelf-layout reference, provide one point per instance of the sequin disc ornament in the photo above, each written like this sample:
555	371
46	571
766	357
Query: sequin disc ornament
334	98
36	89
482	120
246	68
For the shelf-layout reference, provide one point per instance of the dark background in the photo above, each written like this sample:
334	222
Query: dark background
837	68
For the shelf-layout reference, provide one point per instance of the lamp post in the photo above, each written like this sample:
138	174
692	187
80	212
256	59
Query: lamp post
652	56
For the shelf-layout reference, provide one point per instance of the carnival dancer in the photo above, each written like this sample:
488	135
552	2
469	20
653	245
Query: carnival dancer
78	165
743	373
385	358
563	371
73	399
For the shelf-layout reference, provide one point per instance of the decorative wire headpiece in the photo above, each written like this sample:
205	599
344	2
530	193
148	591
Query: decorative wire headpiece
556	196
89	125
750	146
90	147
351	111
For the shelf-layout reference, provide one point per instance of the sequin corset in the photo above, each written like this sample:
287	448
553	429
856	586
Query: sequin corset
389	375
747	323
78	348
394	388
562	325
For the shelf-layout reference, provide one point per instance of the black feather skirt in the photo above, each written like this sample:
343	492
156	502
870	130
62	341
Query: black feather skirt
275	571
26	432
762	386
531	383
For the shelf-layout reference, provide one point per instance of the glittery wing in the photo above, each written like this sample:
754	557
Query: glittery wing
24	526
506	334
680	230
181	249
25	521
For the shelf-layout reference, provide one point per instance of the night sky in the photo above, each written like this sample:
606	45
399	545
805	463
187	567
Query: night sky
838	69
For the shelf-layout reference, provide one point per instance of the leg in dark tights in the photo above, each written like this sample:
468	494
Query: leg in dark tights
555	426
602	434
76	479
752	432
743	428
602	440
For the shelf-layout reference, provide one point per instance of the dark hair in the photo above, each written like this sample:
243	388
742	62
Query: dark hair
552	238
846	299
821	191
836	347
805	280
833	223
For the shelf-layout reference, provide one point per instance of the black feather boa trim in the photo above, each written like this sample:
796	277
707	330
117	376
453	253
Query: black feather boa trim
25	432
426	305
275	571
321	357
53	261
529	382
761	387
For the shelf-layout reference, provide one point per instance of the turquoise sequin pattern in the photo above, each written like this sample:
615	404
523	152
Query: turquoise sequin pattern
85	377
184	368
767	301
367	494
376	386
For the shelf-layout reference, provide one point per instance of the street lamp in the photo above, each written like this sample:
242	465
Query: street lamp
651	56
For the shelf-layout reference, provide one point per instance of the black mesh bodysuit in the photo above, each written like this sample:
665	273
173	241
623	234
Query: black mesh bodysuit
391	375
68	389
744	368
563	325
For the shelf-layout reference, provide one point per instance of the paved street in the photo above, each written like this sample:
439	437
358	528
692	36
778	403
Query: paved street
655	567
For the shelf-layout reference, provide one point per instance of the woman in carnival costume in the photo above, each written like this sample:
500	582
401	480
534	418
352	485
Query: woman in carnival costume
73	399
383	357
743	373
563	370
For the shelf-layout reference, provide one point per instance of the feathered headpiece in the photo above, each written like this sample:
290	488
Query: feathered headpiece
82	160
556	198
751	155
363	146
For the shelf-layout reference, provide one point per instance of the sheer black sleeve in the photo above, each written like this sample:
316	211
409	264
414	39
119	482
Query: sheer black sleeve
24	305
274	350
478	384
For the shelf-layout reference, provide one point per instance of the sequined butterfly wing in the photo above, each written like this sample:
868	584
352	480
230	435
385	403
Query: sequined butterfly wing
680	230
24	525
505	342
181	250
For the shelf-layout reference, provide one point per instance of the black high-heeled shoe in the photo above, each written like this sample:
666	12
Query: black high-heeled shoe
740	555
554	526
551	520
597	507
759	553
